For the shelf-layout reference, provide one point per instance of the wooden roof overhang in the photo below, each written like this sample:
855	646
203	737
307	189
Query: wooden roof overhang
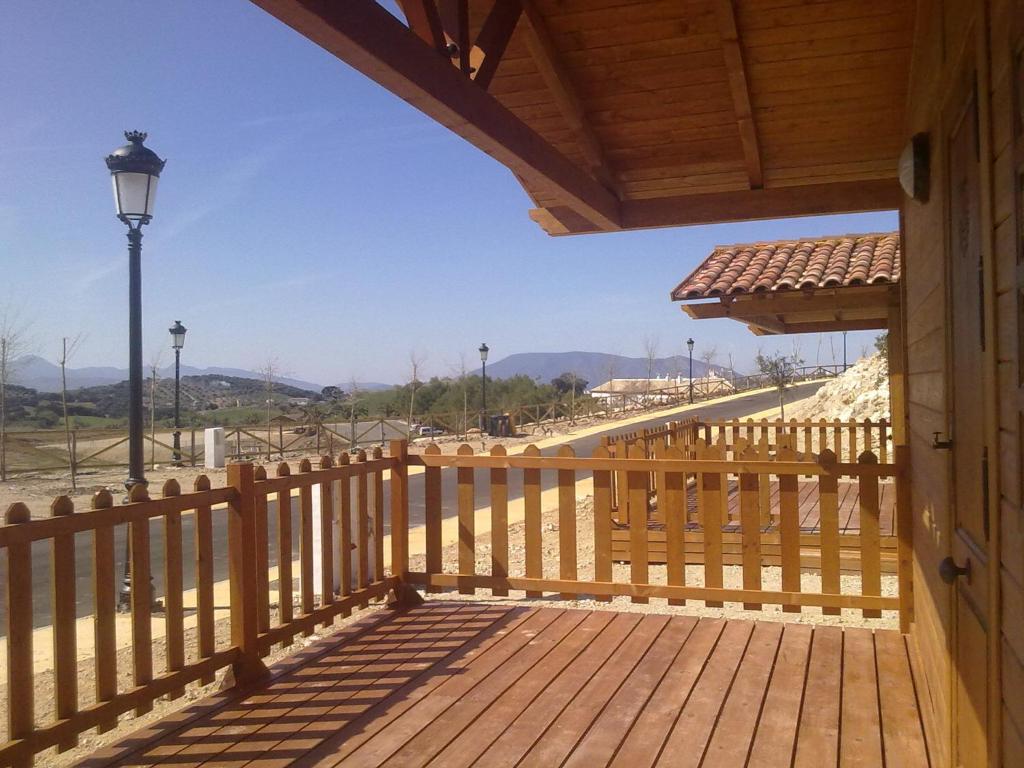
624	114
845	283
845	308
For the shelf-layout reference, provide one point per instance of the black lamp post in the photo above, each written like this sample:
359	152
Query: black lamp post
177	343
689	345
135	170
484	349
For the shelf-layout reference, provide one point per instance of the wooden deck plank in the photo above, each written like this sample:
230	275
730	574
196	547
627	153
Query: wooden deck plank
527	646
464	748
860	731
617	718
692	732
776	733
817	741
251	728
643	744
523	732
902	728
367	725
561	737
732	741
463	683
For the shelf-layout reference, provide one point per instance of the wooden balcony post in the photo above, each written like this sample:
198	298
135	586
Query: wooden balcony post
904	537
399	450
242	570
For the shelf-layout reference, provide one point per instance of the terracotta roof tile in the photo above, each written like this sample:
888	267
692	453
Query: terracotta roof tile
795	265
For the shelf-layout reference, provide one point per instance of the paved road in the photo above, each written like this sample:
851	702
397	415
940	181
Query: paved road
583	447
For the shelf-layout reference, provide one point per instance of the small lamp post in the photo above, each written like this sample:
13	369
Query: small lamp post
689	346
134	170
177	344
484	349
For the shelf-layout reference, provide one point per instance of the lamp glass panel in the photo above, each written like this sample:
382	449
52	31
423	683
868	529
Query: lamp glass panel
134	194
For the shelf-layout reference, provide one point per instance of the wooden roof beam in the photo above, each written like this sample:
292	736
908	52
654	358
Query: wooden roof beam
750	205
738	86
423	19
371	40
494	37
552	70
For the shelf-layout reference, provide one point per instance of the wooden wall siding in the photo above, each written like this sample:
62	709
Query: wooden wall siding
991	32
1006	44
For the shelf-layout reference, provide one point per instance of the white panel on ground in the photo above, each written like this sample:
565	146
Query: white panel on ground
213	444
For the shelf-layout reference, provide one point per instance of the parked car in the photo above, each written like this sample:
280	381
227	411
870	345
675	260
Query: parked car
428	431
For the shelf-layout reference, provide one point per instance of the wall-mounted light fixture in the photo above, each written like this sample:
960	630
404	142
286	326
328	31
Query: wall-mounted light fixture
914	167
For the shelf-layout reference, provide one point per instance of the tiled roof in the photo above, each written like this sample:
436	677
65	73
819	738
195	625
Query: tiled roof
794	265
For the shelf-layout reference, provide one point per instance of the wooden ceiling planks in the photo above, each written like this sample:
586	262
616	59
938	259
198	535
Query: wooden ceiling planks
670	107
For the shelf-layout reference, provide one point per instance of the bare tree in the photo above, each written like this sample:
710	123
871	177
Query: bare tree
415	363
67	349
651	356
269	372
13	344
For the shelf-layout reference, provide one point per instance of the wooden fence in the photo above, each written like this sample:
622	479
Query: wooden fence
241	508
275	592
703	527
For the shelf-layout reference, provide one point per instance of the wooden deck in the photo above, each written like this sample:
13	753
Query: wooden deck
461	683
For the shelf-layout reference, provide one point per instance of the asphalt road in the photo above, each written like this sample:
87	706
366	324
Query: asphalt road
83	544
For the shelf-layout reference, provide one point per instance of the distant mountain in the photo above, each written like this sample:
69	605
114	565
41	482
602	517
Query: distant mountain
595	367
44	376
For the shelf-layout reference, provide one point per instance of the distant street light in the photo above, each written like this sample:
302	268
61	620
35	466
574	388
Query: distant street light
689	345
177	343
484	349
134	170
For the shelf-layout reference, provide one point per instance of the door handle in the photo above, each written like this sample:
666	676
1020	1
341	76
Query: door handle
949	571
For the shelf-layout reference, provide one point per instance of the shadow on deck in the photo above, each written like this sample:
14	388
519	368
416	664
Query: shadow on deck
463	683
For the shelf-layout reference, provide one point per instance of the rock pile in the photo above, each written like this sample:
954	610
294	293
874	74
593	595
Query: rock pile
862	392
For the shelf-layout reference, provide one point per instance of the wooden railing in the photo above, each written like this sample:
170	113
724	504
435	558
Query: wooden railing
846	439
679	483
237	514
276	534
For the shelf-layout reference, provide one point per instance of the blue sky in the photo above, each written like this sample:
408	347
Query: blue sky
305	213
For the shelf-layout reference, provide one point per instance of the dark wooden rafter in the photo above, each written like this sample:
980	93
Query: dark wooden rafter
733	53
423	19
371	40
546	58
455	19
494	37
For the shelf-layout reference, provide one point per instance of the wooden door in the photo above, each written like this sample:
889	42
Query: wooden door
969	541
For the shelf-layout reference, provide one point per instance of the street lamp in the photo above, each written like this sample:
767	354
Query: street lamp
134	170
484	349
689	346
177	343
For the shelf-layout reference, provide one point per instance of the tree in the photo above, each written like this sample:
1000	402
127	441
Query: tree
154	367
68	347
779	370
13	344
415	363
882	344
707	356
269	372
332	393
651	355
